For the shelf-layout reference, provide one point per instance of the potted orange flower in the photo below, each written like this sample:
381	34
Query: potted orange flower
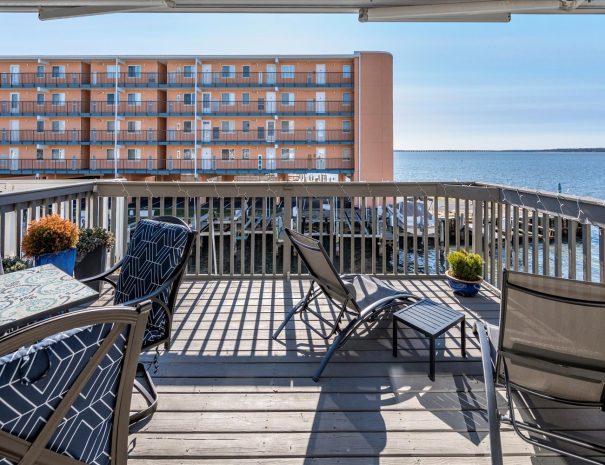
52	239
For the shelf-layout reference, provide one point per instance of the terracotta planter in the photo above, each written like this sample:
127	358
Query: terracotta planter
462	287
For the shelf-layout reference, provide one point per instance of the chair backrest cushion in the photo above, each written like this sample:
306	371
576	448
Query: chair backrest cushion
552	335
155	250
35	379
319	266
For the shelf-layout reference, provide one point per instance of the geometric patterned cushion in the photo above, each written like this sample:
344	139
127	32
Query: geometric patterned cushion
154	251
34	380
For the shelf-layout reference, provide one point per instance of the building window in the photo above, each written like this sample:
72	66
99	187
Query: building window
228	71
112	71
188	127
245	126
58	154
188	71
134	71
188	154
58	99
346	126
227	127
40	99
111	126
40	126
188	99
39	154
58	72
134	126
134	154
346	99
287	126
227	98
287	154
246	98
346	71
245	154
287	71
261	104
134	99
111	99
111	154
246	71
346	153
40	71
260	132
228	154
58	126
287	99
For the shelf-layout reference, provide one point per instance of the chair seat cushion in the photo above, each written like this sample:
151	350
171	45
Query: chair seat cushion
154	252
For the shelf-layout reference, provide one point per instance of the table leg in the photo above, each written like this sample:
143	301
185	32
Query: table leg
394	337
463	338
432	359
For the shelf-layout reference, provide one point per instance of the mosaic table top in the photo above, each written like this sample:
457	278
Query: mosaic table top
38	292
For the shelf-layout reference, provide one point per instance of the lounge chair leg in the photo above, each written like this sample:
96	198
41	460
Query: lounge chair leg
324	361
301	305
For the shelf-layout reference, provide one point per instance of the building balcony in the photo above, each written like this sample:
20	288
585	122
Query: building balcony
31	137
157	80
31	108
155	167
230	393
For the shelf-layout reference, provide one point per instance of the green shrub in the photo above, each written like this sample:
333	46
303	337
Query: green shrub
464	265
91	238
10	264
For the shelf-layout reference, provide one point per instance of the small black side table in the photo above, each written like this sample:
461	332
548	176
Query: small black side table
432	320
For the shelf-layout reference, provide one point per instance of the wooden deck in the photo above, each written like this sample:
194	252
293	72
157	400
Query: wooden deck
229	394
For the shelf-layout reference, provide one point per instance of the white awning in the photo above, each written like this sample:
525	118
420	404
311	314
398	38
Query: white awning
376	10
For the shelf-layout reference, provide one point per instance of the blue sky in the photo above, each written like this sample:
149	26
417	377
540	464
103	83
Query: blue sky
537	82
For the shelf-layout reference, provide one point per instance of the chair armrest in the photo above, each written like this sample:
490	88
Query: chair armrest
104	275
490	394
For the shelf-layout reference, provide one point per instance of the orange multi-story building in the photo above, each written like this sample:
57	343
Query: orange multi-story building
204	116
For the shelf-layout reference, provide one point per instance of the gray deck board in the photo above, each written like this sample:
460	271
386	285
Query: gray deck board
230	394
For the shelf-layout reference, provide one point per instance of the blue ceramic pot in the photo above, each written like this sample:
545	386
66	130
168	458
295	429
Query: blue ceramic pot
463	288
64	260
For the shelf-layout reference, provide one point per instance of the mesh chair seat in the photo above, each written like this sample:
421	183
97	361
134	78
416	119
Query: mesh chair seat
369	292
548	344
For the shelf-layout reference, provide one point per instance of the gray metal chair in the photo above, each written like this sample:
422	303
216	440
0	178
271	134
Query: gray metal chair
65	387
549	345
360	296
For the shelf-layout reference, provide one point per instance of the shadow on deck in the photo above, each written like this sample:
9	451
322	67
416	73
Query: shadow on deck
230	394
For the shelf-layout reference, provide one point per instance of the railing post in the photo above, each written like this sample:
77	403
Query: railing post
286	243
478	231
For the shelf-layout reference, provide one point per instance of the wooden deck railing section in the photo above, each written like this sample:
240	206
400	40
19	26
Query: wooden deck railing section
387	228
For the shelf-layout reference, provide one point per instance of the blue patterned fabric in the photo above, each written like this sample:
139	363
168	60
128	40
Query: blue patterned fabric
155	250
34	380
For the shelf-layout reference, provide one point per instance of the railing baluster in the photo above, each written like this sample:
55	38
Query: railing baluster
232	235
602	254
363	234
436	233
545	244
374	226
415	234
253	221
405	234
221	229
571	248
395	221
515	231
558	246
383	236
242	239
492	239
263	245
197	214
586	251
425	234
212	268
352	222
446	233
467	224
274	236
341	230
535	230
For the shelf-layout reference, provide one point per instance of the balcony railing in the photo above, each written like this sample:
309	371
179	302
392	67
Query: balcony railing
214	136
260	164
31	108
176	79
391	229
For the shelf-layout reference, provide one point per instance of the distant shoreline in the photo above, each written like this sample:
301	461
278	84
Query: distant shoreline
596	149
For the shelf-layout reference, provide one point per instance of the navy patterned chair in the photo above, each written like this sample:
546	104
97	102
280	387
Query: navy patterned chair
65	387
150	274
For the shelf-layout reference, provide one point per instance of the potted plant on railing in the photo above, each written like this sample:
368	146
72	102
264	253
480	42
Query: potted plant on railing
52	239
91	257
464	273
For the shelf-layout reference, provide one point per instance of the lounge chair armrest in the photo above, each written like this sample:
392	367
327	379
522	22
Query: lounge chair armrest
490	394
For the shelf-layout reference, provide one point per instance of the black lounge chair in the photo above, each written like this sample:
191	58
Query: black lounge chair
360	296
66	387
150	274
549	345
